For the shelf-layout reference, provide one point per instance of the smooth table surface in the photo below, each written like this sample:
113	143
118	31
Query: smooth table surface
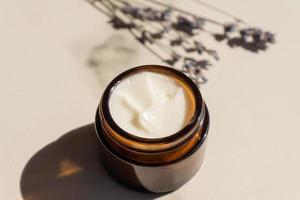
49	95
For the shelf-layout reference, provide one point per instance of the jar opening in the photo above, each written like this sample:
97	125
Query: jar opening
191	92
151	105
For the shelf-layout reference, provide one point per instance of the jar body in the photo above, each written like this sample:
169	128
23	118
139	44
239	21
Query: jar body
156	179
159	165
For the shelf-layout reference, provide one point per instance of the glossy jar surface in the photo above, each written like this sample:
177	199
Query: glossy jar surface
159	164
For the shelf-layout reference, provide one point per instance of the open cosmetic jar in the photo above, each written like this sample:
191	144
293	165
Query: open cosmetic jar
152	125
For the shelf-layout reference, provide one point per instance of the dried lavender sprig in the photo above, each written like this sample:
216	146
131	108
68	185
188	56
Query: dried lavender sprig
145	37
174	56
93	3
185	12
257	35
238	20
148	48
190	26
168	9
128	11
259	38
160	30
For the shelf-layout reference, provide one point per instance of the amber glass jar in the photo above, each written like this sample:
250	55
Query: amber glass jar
153	164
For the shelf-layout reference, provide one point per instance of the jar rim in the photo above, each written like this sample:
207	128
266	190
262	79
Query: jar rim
112	85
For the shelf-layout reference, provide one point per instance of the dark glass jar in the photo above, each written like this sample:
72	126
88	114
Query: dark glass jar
153	164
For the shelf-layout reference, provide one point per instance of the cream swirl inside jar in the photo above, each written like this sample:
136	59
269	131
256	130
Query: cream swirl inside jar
151	105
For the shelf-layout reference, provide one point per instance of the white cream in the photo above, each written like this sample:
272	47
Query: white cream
150	105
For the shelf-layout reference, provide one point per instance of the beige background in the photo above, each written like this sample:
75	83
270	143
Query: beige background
47	90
